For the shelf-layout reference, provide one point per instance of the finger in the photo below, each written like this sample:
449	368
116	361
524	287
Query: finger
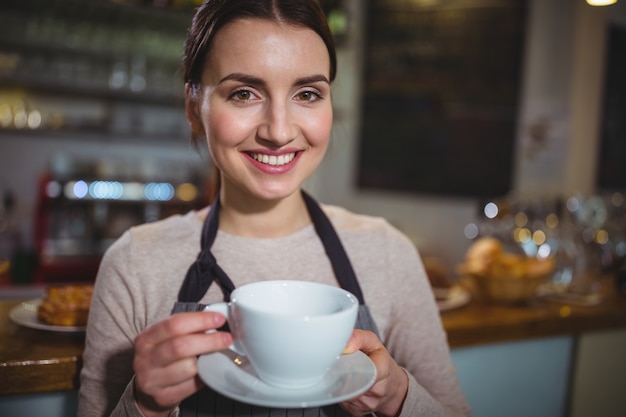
359	407
387	394
157	398
179	324
363	340
158	378
192	345
369	402
177	348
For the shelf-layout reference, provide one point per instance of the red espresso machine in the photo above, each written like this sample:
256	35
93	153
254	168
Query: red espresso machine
79	215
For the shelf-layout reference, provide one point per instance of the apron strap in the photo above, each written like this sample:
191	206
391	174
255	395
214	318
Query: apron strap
334	249
205	269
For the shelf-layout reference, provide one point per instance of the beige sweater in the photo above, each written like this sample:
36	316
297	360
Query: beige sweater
141	274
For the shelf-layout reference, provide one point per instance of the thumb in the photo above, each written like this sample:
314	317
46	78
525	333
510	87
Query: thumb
362	340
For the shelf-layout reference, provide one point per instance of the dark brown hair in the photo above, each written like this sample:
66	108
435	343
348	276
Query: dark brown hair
213	15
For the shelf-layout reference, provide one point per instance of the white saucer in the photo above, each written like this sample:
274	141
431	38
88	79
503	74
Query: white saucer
451	298
25	314
351	376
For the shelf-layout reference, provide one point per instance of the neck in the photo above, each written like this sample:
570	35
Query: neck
243	216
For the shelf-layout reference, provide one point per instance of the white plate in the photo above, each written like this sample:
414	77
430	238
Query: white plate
451	298
25	314
351	376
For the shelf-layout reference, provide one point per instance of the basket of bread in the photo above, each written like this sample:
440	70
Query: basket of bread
504	276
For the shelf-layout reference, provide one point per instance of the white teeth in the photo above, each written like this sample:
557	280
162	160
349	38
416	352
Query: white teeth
274	160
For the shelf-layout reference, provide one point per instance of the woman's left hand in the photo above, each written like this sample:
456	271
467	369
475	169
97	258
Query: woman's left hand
387	394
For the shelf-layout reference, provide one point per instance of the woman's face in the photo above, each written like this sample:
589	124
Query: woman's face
264	106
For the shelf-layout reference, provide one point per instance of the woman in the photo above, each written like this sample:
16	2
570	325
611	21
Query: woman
258	79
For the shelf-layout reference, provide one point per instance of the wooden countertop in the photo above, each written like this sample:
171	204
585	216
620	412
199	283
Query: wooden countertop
482	323
36	360
42	361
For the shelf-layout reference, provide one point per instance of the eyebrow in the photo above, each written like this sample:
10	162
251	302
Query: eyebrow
248	79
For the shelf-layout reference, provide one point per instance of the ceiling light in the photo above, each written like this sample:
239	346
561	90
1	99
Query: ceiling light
601	2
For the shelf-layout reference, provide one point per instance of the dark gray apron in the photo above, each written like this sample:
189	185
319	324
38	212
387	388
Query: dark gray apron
205	270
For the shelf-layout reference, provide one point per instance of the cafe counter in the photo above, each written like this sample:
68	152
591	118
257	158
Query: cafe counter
481	323
36	361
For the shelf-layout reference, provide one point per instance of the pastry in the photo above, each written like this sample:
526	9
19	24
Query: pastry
66	305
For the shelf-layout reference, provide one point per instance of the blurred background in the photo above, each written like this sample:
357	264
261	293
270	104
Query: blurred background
440	106
454	119
476	100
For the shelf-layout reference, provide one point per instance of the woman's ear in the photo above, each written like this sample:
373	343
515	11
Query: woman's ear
192	112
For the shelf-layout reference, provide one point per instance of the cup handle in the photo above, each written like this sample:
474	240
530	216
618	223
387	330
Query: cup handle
222	308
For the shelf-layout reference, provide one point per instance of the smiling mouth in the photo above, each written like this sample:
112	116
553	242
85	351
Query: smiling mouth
274	160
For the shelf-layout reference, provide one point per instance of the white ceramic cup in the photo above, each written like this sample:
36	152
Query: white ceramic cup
291	331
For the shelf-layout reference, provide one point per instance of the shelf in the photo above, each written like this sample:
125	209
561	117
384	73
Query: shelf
69	89
80	51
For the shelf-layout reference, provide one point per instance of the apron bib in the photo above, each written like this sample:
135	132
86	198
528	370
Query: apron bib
205	270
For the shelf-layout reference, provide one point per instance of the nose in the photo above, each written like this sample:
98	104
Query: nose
279	125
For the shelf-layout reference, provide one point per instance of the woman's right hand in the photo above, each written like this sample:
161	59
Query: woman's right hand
166	364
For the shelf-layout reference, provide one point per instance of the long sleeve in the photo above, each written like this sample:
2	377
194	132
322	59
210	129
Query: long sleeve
136	286
107	360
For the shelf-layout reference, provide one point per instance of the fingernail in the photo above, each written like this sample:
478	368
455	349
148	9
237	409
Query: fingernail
218	319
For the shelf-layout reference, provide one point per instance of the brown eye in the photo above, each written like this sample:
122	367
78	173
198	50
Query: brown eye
243	95
308	96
